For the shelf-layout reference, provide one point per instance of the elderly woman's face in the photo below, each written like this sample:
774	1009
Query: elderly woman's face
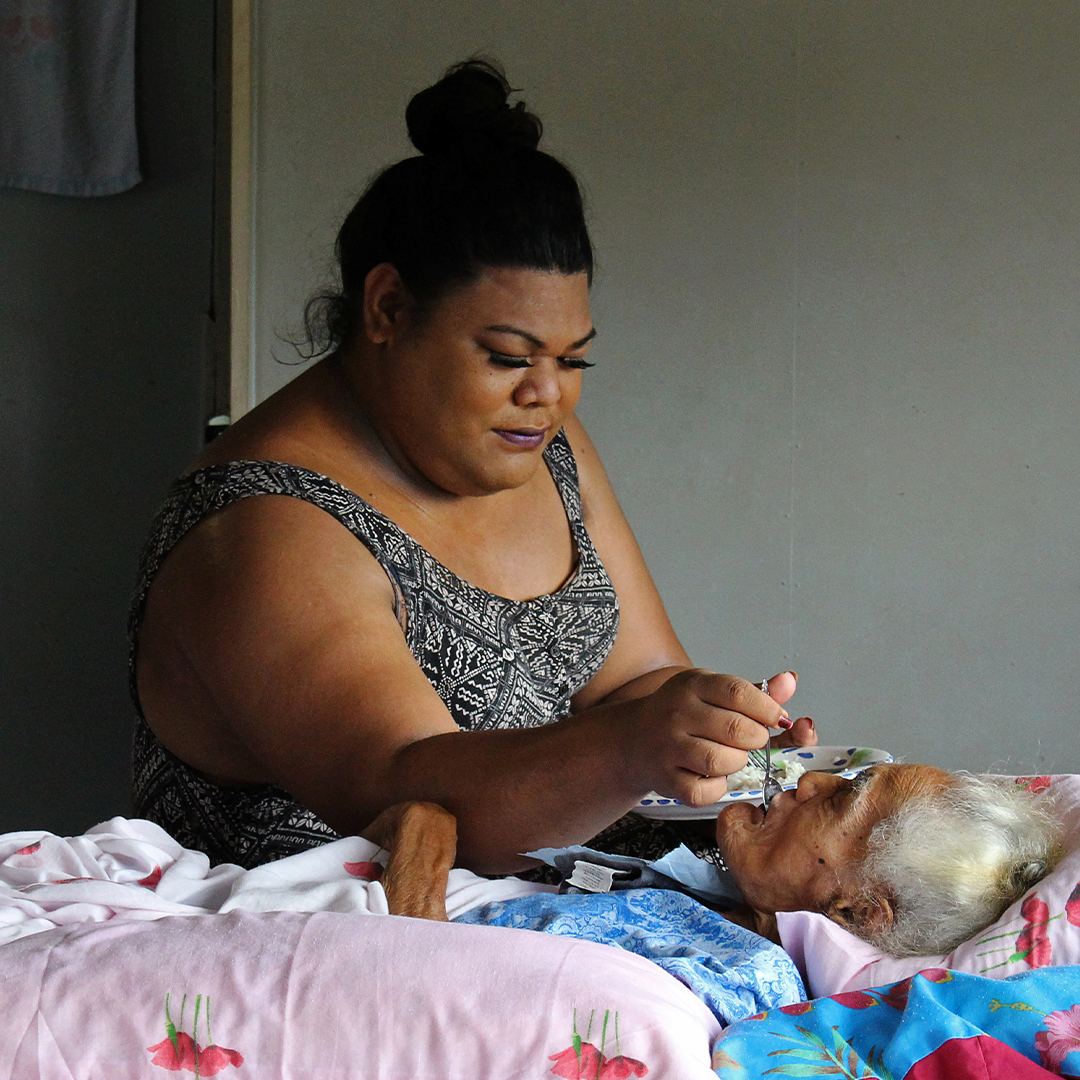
804	855
473	390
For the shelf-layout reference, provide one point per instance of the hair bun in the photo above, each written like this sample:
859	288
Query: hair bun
467	109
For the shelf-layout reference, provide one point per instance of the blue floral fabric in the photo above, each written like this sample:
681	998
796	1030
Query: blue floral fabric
937	1024
735	972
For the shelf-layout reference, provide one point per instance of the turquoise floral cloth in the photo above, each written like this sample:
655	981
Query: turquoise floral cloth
734	972
937	1025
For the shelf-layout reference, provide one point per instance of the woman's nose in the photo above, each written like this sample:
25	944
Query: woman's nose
540	386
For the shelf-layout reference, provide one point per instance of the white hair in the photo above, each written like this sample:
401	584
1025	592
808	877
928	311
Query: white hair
953	860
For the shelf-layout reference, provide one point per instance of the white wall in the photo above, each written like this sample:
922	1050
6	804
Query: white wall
837	383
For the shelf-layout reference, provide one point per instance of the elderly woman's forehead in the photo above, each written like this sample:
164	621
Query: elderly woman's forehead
898	783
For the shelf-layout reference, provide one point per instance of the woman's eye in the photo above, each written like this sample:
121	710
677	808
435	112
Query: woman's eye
577	362
506	360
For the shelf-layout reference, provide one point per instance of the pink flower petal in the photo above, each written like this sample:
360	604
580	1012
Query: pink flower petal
1034	909
366	871
622	1068
1065	1025
577	1065
855	999
1072	906
215	1058
166	1056
151	880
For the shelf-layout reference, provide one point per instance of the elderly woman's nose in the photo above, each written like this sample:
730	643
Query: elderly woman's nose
815	783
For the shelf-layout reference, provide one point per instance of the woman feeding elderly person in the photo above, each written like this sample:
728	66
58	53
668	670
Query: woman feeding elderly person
405	576
909	857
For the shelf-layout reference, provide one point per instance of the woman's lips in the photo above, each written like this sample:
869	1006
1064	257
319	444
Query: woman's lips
525	438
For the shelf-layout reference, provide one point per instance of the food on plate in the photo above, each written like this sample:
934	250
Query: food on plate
787	770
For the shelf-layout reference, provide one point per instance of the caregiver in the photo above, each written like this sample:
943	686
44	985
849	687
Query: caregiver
292	682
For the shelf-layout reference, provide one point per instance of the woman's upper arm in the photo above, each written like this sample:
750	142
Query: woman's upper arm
284	625
646	641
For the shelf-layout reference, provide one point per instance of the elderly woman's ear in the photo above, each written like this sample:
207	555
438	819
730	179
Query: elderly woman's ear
864	914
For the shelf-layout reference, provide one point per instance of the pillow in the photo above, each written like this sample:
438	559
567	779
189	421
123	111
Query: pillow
339	996
1041	929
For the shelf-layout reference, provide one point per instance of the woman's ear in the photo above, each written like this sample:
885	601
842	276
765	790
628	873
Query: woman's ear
864	914
386	301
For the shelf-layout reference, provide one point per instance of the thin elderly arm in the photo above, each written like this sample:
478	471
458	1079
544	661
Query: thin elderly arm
422	841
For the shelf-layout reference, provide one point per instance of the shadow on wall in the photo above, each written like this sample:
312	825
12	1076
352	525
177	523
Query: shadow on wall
102	361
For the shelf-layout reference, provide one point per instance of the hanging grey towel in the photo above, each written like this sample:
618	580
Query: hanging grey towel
67	96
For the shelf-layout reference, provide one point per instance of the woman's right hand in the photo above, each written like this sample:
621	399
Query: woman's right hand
687	736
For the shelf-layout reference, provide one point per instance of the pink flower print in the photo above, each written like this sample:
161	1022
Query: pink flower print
1034	784
587	1063
1061	1037
1072	906
621	1068
797	1009
179	1050
1033	944
29	849
186	1053
175	1052
366	871
582	1063
937	975
897	995
215	1058
151	880
855	999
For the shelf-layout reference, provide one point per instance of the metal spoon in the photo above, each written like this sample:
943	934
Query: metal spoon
770	786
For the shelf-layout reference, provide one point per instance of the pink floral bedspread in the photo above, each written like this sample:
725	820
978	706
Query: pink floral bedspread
338	995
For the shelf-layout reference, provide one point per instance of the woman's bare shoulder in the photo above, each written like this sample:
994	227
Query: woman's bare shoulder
302	424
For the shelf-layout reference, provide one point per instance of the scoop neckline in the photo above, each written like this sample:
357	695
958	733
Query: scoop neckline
540	601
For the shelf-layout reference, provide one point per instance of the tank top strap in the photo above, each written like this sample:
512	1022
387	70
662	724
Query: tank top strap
563	468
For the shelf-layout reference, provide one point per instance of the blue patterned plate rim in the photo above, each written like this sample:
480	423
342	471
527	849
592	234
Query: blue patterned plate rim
843	760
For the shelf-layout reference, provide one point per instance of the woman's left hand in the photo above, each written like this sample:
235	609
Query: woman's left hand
801	732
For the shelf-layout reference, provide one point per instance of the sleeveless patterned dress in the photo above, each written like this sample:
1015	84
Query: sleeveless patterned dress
496	663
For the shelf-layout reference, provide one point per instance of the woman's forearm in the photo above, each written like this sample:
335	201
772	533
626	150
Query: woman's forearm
515	791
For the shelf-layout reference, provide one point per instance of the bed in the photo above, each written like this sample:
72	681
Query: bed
122	959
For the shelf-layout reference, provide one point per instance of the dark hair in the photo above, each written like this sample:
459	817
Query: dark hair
480	195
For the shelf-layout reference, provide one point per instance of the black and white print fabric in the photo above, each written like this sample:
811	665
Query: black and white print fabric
496	663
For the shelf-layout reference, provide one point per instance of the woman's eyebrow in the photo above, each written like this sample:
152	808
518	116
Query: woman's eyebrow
500	328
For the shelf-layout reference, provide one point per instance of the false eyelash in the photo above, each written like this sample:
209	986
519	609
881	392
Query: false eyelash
579	363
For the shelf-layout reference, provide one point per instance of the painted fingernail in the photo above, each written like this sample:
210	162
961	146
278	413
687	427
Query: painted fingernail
784	722
794	675
809	722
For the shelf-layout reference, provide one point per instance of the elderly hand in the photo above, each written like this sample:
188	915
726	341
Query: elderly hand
802	732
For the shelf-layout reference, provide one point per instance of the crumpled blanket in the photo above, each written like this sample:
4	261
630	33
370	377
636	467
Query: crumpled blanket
733	971
133	868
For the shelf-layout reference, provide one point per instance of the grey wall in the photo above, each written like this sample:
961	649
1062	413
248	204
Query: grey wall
102	320
837	384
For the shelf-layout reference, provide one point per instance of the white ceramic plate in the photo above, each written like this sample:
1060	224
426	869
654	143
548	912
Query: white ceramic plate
843	760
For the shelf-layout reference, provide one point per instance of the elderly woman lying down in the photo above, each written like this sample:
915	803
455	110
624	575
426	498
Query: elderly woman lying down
909	857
